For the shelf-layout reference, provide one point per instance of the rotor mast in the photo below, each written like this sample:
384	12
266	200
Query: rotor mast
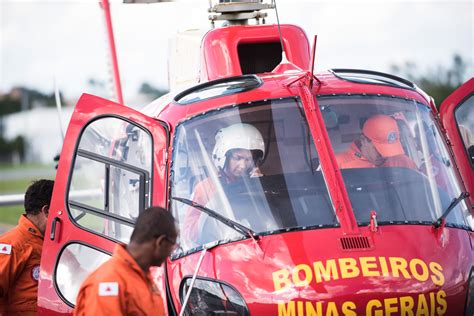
238	12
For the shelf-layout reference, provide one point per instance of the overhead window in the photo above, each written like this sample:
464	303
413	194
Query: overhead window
110	182
218	88
465	119
75	262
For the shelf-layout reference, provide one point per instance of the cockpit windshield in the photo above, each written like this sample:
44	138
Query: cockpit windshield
255	164
392	159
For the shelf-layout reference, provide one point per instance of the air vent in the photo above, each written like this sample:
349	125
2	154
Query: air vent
355	243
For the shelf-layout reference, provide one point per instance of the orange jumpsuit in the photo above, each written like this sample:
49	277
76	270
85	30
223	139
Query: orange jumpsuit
402	161
203	193
119	287
20	255
352	158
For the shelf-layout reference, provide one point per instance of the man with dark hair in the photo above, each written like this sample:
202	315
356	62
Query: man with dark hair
20	253
123	285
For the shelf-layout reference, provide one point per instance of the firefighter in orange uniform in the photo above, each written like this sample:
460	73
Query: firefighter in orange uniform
20	253
353	158
378	146
380	143
123	285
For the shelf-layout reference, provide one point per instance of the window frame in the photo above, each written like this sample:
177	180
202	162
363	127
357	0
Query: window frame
175	141
56	264
469	96
145	178
441	135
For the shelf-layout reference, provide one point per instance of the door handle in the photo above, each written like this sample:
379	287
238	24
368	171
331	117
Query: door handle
52	235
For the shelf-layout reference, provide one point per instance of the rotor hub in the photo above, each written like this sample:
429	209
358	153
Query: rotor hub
239	11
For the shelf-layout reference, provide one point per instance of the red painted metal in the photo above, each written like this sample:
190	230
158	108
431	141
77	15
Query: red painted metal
332	174
219	54
254	270
292	256
87	109
113	52
276	86
447	109
346	270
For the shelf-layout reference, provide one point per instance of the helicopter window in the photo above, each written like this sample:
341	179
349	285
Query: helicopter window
75	262
110	179
392	159
212	297
218	88
258	58
254	164
465	119
372	77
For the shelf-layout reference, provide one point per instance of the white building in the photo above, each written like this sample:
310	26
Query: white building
41	129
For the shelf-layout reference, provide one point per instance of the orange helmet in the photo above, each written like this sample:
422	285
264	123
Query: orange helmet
383	131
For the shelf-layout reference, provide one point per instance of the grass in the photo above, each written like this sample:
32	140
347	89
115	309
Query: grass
14	186
10	214
28	166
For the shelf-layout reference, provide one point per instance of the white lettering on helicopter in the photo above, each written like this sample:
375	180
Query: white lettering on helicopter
346	268
424	304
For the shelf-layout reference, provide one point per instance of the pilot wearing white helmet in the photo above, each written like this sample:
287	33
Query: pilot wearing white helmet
238	151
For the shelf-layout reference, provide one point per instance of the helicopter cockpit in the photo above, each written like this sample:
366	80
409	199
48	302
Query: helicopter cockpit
286	187
414	181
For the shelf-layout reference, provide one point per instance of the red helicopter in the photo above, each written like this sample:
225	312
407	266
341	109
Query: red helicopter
295	193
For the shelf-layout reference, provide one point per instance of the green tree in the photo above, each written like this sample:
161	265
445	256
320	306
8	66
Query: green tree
9	105
8	149
148	89
439	82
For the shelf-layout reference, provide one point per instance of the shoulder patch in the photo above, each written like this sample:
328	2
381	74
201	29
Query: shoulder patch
108	289
5	249
35	272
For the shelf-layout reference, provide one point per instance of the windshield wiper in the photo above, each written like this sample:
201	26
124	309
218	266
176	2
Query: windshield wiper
247	232
450	207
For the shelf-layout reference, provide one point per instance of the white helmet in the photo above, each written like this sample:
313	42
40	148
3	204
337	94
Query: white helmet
240	135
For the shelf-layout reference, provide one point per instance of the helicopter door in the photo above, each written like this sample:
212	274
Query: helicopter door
457	116
112	166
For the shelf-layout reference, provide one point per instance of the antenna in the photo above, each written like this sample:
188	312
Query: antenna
58	107
312	61
113	53
283	54
285	65
279	29
313	76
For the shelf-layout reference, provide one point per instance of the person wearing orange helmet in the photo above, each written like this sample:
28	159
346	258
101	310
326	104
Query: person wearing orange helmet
353	158
380	143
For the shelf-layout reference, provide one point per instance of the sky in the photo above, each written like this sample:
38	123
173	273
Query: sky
42	41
